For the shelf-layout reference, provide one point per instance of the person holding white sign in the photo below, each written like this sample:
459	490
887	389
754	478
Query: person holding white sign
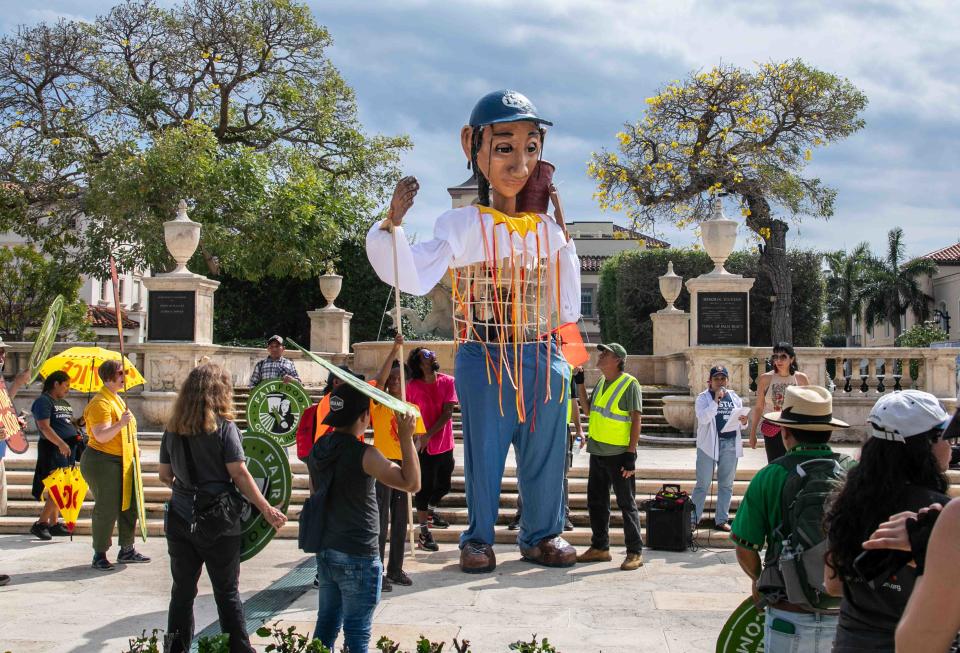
720	416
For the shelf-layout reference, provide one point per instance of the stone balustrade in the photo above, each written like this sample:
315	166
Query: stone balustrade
164	367
855	376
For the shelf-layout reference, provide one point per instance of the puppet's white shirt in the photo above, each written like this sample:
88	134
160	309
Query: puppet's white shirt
470	235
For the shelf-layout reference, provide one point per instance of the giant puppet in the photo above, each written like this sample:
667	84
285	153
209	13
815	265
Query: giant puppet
515	280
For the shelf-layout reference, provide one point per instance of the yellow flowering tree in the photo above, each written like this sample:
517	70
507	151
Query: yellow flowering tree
233	105
729	131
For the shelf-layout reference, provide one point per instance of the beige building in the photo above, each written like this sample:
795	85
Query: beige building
596	242
98	295
943	286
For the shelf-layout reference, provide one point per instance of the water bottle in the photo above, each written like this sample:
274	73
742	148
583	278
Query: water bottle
577	442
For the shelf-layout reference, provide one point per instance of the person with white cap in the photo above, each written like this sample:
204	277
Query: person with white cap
782	509
902	467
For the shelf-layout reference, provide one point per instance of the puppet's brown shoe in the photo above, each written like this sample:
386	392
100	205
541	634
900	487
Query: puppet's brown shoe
551	552
477	558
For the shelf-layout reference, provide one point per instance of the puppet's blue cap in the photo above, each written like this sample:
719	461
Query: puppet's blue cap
504	106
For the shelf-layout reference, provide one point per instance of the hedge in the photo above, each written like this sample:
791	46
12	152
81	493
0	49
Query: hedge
630	292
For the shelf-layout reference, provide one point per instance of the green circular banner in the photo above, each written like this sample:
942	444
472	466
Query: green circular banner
268	464
274	409
743	632
45	337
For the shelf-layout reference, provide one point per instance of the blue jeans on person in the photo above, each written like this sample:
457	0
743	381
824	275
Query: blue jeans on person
812	633
726	465
540	442
349	592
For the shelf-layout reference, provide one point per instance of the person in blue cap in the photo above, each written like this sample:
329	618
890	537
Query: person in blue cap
717	448
515	281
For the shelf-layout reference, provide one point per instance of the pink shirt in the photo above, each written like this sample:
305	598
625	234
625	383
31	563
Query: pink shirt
430	398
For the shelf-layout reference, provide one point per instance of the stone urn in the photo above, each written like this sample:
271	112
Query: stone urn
719	235
670	286
182	236
330	284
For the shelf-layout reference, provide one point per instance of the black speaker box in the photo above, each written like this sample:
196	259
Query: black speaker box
669	530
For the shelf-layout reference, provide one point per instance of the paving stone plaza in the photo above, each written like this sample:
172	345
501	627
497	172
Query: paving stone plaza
676	602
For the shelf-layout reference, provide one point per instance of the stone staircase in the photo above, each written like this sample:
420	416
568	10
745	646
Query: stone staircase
23	509
654	423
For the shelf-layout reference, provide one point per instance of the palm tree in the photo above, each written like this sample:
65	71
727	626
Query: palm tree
892	286
845	280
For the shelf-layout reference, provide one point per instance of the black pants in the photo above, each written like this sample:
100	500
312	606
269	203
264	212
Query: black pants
187	557
393	513
436	473
604	473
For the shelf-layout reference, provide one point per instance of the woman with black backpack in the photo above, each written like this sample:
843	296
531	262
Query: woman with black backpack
901	468
201	458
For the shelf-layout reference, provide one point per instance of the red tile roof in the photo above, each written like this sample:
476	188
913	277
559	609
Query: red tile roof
949	255
106	317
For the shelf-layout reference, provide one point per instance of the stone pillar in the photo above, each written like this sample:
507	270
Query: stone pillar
671	326
179	315
330	330
330	326
180	303
719	301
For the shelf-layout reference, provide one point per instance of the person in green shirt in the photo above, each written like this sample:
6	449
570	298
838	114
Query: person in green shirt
614	410
807	423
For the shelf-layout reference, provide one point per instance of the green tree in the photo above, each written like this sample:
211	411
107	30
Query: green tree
230	104
732	131
846	278
29	283
629	293
922	335
892	287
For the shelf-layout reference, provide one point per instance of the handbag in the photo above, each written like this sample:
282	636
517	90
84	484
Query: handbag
213	513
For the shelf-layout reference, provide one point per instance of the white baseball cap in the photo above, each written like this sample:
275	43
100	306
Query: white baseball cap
900	415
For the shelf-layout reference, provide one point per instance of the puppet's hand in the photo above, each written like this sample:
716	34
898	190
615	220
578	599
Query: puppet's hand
402	199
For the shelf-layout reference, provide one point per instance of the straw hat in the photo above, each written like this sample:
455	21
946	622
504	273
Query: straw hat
806	408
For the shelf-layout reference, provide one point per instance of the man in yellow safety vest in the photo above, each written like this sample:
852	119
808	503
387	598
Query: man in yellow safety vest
614	429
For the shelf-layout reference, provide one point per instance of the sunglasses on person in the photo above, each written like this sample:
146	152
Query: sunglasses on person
427	354
780	357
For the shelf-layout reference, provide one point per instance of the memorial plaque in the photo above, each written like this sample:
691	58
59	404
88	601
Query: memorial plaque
171	315
722	318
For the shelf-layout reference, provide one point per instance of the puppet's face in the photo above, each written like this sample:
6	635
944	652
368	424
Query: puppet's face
508	154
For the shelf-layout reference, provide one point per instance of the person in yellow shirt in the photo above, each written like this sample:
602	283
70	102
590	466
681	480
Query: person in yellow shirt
107	466
391	502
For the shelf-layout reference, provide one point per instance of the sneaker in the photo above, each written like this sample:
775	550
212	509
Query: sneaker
725	527
101	563
632	561
436	521
59	530
4	579
399	578
316	580
567	524
514	523
385	584
41	531
425	540
131	556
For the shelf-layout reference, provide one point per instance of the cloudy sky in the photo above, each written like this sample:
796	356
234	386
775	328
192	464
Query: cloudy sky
419	66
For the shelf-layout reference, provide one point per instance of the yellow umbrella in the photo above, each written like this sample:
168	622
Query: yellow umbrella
68	489
81	364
